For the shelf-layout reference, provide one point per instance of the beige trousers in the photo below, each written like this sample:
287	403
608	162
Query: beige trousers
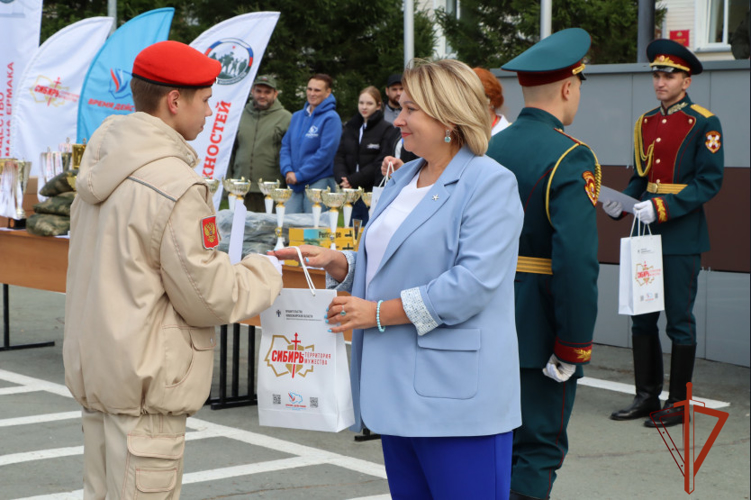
132	458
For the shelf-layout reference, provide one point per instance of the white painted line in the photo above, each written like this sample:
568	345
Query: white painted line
630	389
322	456
37	384
38	419
248	469
71	495
19	389
17	458
219	474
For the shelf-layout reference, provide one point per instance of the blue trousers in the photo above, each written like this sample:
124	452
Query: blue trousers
299	203
448	468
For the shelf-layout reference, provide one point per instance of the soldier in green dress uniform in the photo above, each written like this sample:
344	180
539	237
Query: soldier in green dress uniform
679	162
556	279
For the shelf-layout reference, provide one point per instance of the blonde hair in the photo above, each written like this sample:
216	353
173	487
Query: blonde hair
450	92
372	92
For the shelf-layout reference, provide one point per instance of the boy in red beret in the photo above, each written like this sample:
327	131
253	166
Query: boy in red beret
145	283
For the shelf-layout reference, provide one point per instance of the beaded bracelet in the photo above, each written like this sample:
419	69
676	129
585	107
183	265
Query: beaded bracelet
378	317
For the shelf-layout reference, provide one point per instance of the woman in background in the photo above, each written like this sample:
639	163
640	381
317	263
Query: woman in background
365	142
494	95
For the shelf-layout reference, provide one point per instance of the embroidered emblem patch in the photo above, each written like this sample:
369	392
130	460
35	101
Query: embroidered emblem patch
662	210
209	233
583	355
713	141
590	186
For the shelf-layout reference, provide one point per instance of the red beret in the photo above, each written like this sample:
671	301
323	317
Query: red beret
175	64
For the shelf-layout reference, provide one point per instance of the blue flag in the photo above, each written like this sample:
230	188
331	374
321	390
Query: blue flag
106	88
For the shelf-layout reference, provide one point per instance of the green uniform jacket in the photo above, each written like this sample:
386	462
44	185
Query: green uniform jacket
255	154
682	145
559	181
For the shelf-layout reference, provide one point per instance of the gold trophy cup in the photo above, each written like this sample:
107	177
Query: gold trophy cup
212	183
70	177
280	196
236	190
367	198
333	201
351	196
78	150
266	188
314	195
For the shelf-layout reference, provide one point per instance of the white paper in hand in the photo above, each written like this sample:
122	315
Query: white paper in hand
607	194
237	234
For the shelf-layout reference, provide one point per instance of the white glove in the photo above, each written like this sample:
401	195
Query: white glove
558	370
275	262
645	211
613	208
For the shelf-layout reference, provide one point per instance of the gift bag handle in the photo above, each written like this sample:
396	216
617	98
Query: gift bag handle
305	270
389	173
638	228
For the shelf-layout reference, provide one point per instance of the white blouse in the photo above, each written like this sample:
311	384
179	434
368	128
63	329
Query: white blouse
384	227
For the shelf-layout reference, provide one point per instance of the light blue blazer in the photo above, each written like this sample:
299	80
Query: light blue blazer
453	261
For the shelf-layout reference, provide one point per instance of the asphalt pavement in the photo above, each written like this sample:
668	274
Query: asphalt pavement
230	456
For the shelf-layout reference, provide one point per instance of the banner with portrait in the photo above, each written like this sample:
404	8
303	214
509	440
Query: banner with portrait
238	44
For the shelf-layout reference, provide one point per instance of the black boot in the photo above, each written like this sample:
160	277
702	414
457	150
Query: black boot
681	371
647	376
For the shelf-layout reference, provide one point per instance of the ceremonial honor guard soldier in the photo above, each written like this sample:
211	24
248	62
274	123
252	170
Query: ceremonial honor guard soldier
556	279
679	162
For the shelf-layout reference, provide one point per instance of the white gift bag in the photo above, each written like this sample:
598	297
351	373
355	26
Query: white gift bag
303	372
378	190
640	287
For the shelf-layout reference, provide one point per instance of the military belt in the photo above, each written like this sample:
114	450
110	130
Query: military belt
664	188
534	265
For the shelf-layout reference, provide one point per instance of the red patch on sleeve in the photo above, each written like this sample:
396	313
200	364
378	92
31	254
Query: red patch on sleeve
713	141
590	186
209	232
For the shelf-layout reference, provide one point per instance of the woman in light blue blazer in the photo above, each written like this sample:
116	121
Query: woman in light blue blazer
435	365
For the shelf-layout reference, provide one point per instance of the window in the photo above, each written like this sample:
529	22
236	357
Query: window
716	20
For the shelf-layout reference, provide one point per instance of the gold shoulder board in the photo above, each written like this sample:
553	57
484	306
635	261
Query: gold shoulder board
702	111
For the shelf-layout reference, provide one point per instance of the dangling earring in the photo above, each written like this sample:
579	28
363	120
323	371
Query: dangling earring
448	136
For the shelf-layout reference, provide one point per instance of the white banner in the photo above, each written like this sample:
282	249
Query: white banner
20	23
239	44
46	107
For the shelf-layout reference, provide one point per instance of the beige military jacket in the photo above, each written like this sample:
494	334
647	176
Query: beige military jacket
145	285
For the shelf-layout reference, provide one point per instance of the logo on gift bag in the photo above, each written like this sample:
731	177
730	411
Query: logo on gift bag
645	274
686	460
290	357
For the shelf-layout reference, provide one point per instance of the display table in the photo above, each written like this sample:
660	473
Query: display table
41	263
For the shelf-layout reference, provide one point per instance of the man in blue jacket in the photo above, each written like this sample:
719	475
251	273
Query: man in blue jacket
310	144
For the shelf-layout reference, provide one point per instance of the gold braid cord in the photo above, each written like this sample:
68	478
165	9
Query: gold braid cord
598	171
639	157
598	174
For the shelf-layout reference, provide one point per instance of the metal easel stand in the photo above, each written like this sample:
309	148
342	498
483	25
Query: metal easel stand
6	328
235	400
